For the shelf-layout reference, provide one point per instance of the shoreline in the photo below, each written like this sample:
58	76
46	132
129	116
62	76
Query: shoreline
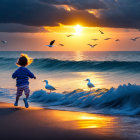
38	123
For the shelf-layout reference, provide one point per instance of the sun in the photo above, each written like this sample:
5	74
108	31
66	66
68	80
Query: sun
78	29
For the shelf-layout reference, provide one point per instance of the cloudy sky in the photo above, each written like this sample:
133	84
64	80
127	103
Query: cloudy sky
30	24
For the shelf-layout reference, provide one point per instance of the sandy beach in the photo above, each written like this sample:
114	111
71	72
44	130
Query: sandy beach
37	123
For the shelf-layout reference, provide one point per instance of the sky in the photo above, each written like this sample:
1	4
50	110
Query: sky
29	25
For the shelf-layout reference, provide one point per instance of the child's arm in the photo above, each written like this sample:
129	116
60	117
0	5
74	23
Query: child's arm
14	75
31	75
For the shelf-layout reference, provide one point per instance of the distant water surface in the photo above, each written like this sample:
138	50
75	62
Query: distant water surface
68	70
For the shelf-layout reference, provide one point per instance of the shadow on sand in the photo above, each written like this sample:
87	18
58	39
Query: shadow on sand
8	111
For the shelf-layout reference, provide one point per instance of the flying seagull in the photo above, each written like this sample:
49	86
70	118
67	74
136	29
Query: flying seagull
107	38
4	42
89	84
61	44
51	44
101	32
134	39
49	87
92	46
94	39
69	35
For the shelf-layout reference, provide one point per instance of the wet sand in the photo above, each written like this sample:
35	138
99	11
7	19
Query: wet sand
19	123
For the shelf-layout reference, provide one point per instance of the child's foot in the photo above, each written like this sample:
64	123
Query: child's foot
16	103
26	103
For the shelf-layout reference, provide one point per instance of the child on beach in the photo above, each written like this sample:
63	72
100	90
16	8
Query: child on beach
22	75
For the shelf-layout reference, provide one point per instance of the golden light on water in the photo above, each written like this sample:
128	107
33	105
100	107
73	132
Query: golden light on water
93	121
99	124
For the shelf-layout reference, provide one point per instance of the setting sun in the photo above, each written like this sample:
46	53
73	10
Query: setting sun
78	29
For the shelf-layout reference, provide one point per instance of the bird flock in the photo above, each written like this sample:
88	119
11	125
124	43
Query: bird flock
51	44
91	45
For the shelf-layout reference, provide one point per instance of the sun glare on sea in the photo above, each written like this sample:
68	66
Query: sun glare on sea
78	29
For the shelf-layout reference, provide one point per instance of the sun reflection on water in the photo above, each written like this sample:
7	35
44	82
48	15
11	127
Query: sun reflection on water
99	124
94	121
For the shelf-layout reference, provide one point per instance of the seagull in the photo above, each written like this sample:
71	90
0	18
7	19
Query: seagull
107	38
134	39
92	46
51	44
69	35
89	84
117	40
101	32
4	42
49	87
61	44
94	39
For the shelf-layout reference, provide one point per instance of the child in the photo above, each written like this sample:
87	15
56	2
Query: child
22	75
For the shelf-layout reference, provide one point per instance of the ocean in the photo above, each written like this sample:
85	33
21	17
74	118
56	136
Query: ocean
68	70
114	74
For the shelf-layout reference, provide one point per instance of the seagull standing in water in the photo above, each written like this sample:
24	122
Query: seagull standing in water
89	84
49	87
51	44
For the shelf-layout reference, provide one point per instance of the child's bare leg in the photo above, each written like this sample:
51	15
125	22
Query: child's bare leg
27	95
17	98
16	102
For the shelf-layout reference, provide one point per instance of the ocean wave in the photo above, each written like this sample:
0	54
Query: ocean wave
57	65
50	64
124	100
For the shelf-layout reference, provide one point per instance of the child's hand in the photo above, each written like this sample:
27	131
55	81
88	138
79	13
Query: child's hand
34	77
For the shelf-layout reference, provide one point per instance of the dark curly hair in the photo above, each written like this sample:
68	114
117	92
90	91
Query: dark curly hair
22	61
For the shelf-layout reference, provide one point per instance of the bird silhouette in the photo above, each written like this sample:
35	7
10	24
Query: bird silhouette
94	39
3	41
101	32
107	38
134	39
69	35
92	46
51	44
61	44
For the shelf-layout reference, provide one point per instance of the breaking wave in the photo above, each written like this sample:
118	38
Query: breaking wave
123	100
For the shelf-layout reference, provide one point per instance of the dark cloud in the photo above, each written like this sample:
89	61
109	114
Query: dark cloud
12	27
121	13
38	13
79	4
35	13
